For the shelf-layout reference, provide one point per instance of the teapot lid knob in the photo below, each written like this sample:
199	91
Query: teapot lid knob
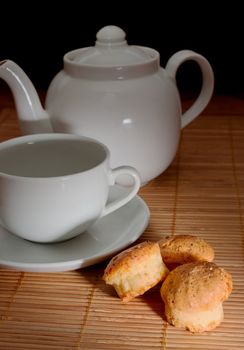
110	36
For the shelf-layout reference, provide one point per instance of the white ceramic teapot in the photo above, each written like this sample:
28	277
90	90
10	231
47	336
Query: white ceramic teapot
117	94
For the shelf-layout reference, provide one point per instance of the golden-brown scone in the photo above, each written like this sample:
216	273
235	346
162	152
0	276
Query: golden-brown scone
181	249
135	270
193	294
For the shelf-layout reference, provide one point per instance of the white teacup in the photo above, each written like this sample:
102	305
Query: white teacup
54	186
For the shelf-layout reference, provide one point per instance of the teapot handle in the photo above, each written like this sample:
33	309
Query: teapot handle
207	85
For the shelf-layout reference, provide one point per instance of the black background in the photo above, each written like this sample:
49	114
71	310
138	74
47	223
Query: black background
36	35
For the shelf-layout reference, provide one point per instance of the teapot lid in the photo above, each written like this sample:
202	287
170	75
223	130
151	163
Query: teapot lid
111	57
111	49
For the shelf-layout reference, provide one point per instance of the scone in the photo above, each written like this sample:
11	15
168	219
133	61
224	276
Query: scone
182	249
135	270
193	294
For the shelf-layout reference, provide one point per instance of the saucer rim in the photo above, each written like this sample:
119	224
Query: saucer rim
75	264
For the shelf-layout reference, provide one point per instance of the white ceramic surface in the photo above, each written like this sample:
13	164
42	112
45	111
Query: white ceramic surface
105	238
118	94
54	186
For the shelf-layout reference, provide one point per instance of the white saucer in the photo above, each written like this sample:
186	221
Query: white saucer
105	238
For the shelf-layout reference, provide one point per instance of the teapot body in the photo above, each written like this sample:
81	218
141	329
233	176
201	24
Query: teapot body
139	119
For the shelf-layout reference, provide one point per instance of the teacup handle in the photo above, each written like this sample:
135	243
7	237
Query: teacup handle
207	82
116	204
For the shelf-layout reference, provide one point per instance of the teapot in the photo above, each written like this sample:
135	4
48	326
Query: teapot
118	94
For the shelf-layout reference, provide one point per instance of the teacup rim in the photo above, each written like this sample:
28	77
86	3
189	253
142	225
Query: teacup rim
52	136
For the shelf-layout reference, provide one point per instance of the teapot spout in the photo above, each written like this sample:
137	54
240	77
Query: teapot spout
32	117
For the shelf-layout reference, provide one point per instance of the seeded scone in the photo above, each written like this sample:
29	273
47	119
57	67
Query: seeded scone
193	294
135	270
181	249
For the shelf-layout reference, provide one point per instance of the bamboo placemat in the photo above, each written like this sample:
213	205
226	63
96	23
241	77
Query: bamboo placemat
201	193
